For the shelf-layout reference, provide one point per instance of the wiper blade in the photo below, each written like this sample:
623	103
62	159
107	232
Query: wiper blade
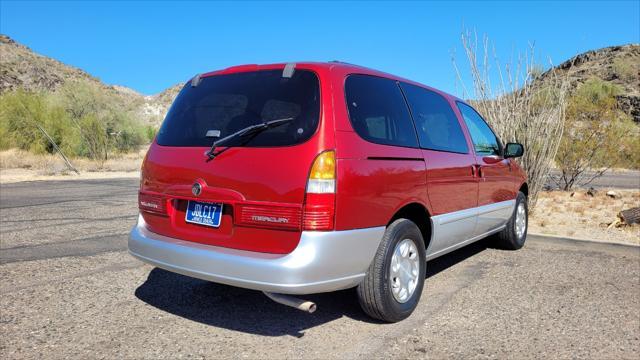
249	130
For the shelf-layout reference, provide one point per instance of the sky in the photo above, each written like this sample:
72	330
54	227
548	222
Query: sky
150	46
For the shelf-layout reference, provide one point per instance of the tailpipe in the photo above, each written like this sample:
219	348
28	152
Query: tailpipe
294	302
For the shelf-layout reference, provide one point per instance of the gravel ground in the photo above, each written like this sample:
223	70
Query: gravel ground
68	289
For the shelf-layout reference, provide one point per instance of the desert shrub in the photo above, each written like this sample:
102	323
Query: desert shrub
124	134
517	104
630	144
536	71
104	123
17	111
625	69
87	109
79	118
5	138
150	132
20	115
598	135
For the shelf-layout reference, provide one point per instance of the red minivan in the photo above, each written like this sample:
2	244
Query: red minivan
303	178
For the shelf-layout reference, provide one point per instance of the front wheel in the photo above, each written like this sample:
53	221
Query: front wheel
392	287
515	233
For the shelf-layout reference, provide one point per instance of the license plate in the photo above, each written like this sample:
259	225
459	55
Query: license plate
202	213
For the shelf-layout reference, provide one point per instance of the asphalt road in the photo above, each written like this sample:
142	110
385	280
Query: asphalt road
627	179
68	289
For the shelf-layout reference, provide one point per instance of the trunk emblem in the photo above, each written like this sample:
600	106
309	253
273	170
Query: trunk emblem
196	189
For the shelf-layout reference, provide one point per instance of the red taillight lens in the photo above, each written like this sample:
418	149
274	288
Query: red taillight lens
319	205
318	212
152	203
267	216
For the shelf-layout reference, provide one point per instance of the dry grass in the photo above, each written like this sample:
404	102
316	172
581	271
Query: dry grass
583	216
18	165
53	164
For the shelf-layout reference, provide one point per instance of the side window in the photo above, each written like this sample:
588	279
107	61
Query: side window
484	140
378	112
438	126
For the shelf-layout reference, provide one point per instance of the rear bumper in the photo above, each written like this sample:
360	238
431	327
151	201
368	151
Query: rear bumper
322	261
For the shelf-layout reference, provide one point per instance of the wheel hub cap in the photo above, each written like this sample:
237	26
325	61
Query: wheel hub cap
521	221
404	270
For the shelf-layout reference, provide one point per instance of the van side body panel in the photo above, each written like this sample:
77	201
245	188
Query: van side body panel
374	180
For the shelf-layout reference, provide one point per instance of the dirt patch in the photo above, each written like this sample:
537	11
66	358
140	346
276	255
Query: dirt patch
17	165
580	215
8	176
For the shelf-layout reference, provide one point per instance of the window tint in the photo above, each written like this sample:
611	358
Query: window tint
484	140
438	126
228	103
378	112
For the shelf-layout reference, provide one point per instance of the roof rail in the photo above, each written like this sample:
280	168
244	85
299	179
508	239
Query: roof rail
288	70
342	62
195	80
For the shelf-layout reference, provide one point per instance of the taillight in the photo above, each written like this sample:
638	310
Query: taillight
319	206
152	203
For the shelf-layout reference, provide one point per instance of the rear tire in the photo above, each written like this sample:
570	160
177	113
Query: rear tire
393	285
515	234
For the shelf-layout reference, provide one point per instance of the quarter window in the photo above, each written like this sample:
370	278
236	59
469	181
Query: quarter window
484	140
378	112
437	125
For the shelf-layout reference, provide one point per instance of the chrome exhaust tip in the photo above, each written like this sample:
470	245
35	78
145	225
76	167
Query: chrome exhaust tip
294	302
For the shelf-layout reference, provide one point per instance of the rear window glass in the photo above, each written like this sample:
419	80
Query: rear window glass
223	104
378	112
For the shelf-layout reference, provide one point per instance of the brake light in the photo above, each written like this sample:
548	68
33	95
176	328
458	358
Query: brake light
152	203
319	207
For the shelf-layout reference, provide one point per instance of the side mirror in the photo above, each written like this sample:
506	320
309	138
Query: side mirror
513	150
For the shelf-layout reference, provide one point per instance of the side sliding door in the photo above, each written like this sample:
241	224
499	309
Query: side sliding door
452	187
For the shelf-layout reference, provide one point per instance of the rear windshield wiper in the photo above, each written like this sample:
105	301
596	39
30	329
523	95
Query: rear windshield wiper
249	130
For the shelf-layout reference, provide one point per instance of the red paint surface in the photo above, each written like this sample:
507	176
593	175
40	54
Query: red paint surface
373	181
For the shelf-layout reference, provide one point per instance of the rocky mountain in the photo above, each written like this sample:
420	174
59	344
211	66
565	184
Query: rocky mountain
22	68
619	65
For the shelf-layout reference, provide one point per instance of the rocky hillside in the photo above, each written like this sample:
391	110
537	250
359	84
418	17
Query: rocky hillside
619	65
21	68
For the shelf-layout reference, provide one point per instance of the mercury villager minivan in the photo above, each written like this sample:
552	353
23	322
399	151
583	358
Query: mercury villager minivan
303	178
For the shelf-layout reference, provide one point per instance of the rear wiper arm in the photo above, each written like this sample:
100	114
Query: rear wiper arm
249	130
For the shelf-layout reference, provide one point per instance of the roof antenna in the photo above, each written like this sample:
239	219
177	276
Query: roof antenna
195	81
288	70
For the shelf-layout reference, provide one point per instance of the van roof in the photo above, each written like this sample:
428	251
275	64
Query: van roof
345	67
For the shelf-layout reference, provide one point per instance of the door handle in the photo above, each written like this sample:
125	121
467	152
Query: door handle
476	170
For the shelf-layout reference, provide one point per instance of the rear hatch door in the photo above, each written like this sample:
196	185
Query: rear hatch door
256	181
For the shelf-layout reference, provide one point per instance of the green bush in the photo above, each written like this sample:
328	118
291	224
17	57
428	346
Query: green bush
20	115
597	135
80	118
151	132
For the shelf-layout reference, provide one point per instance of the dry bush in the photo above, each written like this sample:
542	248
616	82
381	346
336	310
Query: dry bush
625	69
517	107
51	164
